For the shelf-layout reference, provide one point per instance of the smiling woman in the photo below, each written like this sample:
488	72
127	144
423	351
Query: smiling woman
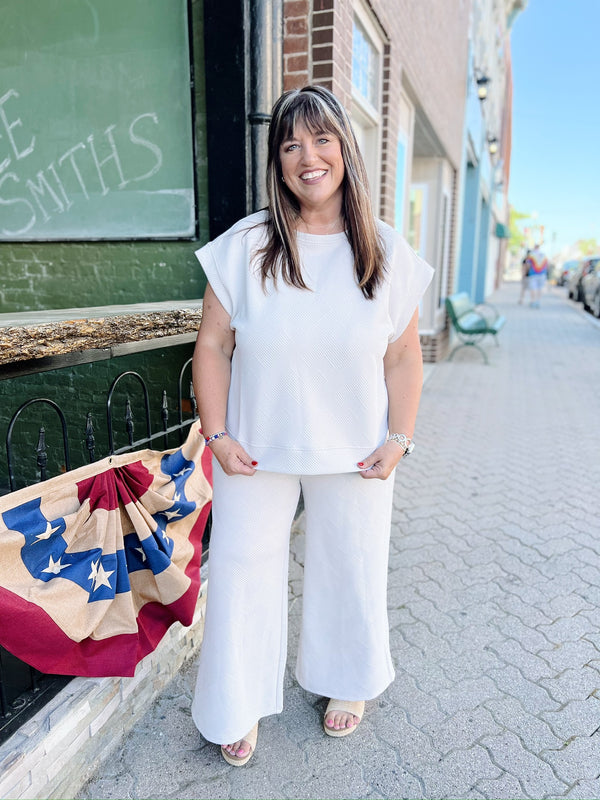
307	372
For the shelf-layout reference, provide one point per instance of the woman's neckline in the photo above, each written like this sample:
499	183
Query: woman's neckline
321	236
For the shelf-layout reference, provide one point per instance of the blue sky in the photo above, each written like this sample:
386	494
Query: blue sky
555	162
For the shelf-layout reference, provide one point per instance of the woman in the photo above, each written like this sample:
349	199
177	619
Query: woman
308	354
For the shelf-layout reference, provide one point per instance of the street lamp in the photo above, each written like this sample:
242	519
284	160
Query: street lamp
492	145
482	82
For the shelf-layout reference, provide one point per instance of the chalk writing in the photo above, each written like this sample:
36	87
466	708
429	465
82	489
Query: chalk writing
8	128
86	169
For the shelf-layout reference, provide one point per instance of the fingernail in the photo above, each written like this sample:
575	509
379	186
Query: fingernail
254	463
361	463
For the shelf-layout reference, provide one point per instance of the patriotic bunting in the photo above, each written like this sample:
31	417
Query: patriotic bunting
96	564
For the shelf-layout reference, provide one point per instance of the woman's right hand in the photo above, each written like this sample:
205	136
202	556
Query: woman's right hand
232	457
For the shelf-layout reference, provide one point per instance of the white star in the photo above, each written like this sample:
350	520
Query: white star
99	576
182	472
102	577
47	533
176	497
172	514
55	567
141	552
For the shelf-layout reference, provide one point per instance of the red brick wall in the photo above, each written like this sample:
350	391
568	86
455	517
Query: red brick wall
429	50
296	49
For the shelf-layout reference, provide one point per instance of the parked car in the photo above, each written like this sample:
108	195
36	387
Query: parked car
575	281
590	284
565	272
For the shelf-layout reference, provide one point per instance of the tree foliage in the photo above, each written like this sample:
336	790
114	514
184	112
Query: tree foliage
516	229
588	247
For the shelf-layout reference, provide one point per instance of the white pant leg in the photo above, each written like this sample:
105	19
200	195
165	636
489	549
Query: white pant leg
242	660
344	644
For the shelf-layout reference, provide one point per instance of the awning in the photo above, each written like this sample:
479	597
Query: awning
502	231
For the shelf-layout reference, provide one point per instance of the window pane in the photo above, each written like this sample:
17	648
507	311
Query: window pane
416	219
365	65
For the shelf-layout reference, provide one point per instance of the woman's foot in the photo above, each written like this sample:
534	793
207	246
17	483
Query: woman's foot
239	753
342	717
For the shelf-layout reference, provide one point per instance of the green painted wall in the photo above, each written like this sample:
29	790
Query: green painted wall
37	276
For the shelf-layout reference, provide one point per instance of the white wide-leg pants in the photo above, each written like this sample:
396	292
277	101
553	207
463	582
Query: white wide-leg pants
344	641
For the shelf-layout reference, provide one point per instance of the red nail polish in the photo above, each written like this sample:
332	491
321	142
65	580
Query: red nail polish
254	463
361	463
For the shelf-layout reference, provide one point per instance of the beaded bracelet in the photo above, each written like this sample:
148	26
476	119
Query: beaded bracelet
404	441
214	437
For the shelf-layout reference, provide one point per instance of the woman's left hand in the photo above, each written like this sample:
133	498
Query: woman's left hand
382	462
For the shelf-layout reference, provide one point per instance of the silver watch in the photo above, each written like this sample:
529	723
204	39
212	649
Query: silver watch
404	441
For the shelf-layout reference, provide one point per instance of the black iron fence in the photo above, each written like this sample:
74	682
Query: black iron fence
23	690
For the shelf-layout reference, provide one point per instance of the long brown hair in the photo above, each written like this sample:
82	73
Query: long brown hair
320	111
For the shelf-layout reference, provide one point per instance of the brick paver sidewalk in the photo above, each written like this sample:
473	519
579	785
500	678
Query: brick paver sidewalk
494	595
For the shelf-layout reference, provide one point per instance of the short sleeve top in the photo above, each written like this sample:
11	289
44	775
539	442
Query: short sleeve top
307	392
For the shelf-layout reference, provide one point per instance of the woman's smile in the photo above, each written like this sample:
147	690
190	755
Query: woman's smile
313	176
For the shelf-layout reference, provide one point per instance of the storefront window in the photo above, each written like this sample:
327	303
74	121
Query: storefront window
365	65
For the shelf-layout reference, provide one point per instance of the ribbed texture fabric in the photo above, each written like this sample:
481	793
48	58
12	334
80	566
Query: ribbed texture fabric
307	392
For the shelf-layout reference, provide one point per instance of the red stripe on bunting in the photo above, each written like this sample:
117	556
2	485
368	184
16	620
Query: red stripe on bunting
102	490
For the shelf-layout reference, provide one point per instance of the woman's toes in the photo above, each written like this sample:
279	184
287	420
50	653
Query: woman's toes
239	748
339	721
332	721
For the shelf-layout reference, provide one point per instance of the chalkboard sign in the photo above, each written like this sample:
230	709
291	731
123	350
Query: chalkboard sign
95	120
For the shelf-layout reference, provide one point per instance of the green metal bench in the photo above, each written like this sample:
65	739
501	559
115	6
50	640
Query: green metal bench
473	322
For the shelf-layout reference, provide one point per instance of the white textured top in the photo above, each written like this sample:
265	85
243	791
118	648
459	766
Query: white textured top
307	393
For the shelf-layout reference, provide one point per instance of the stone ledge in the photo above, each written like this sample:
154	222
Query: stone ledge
40	334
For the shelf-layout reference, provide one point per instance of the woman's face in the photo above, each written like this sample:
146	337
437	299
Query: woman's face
313	169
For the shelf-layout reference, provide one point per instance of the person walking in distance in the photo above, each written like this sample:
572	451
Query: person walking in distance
308	373
537	272
524	277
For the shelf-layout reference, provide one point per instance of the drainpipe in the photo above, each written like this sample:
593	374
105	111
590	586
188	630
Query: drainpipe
266	82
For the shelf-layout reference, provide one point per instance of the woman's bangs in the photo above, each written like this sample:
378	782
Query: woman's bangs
311	113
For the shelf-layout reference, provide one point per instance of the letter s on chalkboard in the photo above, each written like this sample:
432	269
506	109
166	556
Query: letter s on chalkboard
13	201
154	148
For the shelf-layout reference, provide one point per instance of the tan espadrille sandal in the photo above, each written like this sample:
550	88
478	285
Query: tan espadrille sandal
346	707
239	761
